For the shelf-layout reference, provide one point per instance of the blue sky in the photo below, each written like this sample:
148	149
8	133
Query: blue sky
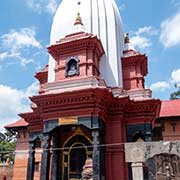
153	25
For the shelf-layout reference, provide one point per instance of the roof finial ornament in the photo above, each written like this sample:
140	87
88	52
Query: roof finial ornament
78	20
126	38
127	43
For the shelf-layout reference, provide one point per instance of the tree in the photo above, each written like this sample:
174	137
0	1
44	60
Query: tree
7	150
7	146
176	94
2	137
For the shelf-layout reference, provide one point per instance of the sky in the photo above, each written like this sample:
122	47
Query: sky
153	25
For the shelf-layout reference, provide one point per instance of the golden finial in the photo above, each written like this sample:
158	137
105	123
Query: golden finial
78	20
126	38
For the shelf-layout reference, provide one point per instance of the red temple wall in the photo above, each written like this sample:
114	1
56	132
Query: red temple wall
115	157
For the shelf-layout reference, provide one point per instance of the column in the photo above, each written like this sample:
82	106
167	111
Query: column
96	155
45	162
55	157
137	171
31	161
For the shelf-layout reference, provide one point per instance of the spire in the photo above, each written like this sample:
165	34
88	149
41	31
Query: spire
126	38
78	20
127	43
78	25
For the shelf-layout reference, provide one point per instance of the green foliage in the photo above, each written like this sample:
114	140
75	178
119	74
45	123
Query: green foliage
7	146
176	94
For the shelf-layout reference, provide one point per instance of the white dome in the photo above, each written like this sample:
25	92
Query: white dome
101	18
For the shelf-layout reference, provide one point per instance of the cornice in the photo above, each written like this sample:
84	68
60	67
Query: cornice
144	109
76	45
91	102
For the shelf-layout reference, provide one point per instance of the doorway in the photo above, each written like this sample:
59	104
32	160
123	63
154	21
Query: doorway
77	158
77	149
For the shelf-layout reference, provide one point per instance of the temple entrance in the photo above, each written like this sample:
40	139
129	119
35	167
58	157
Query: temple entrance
76	151
78	156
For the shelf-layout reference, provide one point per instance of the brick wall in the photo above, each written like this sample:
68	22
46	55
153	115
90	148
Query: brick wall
171	130
6	172
21	156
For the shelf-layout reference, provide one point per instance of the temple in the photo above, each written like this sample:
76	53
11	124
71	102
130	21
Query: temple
92	100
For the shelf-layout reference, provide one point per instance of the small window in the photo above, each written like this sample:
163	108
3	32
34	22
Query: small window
24	134
72	67
173	127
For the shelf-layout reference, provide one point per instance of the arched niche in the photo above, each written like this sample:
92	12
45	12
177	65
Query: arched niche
72	66
77	149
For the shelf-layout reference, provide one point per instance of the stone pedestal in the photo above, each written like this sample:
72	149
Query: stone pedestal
137	171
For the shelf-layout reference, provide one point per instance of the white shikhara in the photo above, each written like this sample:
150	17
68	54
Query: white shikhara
101	18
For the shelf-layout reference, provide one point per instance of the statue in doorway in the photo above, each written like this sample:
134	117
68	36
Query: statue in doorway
72	69
87	173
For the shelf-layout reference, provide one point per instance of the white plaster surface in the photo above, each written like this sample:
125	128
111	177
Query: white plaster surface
101	18
137	171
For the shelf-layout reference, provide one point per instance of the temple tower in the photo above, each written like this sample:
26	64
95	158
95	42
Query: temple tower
88	104
100	18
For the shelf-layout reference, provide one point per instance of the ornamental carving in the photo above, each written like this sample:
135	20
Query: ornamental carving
87	173
150	149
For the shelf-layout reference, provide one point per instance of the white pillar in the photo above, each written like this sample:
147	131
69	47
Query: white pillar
137	171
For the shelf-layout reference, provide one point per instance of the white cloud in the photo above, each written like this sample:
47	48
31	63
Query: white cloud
32	89
160	86
14	101
170	31
51	6
40	6
175	76
15	56
4	55
140	42
164	85
25	37
142	37
149	30
14	43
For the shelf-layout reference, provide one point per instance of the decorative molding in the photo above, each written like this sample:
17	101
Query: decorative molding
95	102
34	135
75	43
50	125
140	94
69	85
